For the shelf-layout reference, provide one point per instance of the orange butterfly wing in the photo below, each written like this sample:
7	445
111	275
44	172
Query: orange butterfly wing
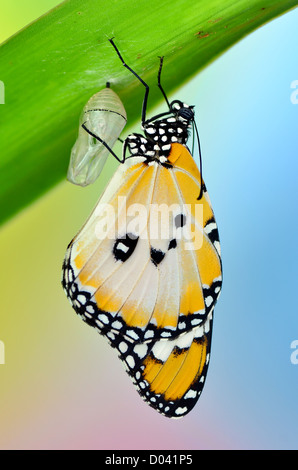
151	294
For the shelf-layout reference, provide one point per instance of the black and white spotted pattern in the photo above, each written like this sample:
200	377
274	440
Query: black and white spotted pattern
133	354
155	145
212	231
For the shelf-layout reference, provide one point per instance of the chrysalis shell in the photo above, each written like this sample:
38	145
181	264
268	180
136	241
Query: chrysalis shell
104	115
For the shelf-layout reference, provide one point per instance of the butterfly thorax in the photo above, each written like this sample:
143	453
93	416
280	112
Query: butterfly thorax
160	134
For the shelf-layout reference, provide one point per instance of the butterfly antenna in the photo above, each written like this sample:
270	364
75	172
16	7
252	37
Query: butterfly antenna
193	139
144	108
159	82
200	159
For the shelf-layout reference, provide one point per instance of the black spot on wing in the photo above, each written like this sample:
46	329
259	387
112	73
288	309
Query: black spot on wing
124	247
180	220
156	256
172	244
211	230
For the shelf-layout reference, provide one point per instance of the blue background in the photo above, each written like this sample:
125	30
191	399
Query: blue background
249	133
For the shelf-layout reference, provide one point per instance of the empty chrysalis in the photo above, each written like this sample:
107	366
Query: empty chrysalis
101	123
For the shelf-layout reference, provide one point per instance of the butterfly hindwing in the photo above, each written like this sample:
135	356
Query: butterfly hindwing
168	374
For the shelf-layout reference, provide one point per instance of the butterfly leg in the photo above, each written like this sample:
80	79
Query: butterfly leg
124	150
101	141
144	108
159	82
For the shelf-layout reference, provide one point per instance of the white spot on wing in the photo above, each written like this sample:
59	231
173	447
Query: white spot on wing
191	394
123	347
122	247
103	318
185	340
116	324
162	349
141	350
130	361
210	227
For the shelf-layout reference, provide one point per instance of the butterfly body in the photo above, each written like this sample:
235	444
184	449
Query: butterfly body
145	269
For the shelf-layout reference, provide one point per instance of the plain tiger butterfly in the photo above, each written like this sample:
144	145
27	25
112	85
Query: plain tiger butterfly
101	123
145	269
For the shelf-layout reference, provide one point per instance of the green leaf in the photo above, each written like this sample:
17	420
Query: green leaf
52	67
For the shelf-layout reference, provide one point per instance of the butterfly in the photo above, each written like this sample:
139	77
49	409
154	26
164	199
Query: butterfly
145	270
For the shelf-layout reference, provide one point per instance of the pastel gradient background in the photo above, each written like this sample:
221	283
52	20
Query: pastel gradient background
63	387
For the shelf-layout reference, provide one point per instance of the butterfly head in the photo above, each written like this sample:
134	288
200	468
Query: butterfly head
182	111
173	127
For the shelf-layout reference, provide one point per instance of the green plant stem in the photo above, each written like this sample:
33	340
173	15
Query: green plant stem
52	67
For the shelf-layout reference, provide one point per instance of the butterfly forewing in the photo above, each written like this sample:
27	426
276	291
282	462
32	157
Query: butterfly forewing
167	271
